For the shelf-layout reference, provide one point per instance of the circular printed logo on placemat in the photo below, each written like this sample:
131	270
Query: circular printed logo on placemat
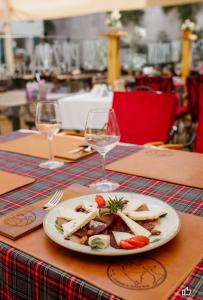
22	219
138	274
159	153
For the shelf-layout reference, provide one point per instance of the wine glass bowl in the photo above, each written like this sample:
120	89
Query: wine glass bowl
102	134
48	122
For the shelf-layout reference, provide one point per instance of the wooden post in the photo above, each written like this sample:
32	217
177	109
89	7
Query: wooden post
186	53
8	39
114	59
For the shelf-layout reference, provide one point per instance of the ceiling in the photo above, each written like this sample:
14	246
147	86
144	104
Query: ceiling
55	9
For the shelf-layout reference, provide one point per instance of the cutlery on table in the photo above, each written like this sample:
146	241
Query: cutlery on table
85	148
55	199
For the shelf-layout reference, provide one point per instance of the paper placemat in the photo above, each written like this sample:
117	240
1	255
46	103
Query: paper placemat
174	166
10	181
153	275
37	145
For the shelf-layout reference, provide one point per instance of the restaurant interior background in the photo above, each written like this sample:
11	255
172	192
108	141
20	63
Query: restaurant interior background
70	56
64	65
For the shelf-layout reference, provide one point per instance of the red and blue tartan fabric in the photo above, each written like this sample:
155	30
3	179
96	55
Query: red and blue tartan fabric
24	277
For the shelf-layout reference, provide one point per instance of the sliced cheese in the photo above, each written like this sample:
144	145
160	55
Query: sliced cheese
131	206
134	227
72	226
119	236
146	215
69	214
89	205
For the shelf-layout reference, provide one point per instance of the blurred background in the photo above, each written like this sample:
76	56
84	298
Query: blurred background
64	50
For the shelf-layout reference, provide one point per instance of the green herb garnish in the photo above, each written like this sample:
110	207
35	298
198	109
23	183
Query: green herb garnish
115	204
154	241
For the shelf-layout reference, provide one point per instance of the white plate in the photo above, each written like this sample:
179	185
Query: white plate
169	225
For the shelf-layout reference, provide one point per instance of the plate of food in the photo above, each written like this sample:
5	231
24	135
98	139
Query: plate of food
112	224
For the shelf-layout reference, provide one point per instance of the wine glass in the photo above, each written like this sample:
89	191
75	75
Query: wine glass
102	134
48	122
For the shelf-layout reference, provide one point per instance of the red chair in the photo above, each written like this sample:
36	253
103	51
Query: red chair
199	135
163	84
193	89
182	111
144	116
193	95
157	83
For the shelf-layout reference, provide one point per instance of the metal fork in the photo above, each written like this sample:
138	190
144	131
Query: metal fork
54	199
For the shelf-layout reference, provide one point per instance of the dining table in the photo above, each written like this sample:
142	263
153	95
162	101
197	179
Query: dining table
23	276
15	100
74	108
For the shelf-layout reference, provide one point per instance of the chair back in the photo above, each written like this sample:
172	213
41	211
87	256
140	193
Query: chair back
157	83
192	84
144	116
199	135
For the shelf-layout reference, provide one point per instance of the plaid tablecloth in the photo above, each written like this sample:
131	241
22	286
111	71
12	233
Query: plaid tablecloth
24	277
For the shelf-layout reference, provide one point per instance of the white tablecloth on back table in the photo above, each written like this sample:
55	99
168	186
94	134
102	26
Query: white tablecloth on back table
74	109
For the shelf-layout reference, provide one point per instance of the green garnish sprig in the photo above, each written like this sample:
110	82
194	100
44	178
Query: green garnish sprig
116	204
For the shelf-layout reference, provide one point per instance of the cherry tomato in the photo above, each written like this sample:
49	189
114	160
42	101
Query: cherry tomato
140	238
125	245
136	244
100	200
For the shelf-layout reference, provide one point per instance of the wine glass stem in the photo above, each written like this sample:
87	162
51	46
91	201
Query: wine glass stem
103	166
51	157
